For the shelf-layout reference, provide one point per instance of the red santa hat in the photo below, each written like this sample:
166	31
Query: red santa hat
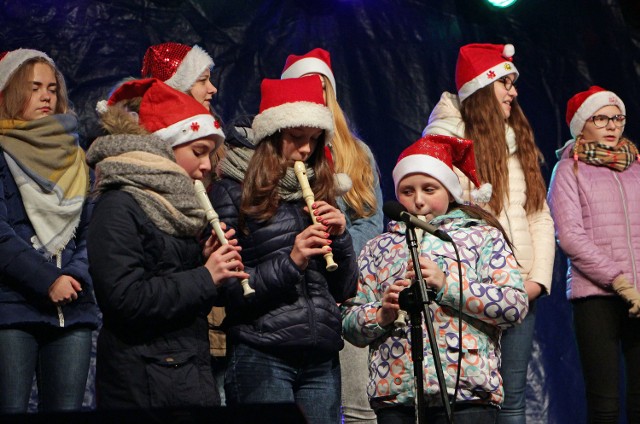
481	64
173	116
10	61
436	155
584	104
317	61
290	103
178	65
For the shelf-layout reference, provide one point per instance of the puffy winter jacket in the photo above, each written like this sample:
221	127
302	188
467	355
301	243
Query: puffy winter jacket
531	234
597	219
291	308
25	273
153	349
494	299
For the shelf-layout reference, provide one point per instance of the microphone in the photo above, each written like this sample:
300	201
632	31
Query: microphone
397	212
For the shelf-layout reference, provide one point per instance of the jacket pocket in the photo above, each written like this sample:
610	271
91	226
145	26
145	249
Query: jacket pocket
172	379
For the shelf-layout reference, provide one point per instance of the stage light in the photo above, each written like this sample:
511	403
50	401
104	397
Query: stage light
501	3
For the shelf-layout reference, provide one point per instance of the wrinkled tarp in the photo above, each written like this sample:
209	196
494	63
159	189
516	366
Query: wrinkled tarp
392	59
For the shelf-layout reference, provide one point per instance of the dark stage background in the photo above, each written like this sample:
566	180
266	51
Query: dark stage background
392	59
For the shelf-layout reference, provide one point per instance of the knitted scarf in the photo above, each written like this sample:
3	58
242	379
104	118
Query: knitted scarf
235	163
49	169
145	167
618	157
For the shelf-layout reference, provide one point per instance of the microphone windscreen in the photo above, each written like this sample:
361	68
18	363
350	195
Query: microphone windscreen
393	209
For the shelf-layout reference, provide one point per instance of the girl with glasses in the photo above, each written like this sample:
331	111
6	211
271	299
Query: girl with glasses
595	204
486	111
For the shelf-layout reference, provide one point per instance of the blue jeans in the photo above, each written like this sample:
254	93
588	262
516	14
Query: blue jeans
310	380
516	345
58	357
463	414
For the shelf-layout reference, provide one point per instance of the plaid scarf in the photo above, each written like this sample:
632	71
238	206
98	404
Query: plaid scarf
618	157
145	167
49	169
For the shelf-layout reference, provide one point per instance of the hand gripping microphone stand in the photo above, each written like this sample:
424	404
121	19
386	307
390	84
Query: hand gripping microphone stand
416	300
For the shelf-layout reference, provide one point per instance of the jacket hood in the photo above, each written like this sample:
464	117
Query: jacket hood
445	117
565	151
122	118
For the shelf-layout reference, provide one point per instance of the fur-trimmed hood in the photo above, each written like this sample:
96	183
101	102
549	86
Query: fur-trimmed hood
122	118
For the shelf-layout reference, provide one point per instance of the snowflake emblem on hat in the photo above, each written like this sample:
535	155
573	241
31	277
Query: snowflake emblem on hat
507	66
491	75
195	126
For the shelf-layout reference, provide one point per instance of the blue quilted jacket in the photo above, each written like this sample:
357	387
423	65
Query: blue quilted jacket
291	308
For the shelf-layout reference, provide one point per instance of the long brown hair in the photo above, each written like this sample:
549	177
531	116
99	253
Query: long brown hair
268	166
17	91
485	125
352	159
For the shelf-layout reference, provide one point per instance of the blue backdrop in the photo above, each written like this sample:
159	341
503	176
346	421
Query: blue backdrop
392	60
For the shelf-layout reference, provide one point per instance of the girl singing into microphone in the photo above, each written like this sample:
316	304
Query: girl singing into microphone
144	254
283	342
492	290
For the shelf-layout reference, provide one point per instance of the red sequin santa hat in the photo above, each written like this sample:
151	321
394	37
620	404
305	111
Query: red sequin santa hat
479	65
178	65
317	61
290	103
584	104
173	116
436	155
10	61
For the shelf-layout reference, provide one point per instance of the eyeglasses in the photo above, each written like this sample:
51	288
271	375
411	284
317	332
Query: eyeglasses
507	82
601	121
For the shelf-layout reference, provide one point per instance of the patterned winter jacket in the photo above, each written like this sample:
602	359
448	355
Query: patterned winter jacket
531	234
597	218
494	299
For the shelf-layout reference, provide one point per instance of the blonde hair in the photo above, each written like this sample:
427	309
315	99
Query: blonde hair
17	92
485	125
352	159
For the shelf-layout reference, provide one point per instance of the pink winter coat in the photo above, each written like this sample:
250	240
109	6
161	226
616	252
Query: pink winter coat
597	221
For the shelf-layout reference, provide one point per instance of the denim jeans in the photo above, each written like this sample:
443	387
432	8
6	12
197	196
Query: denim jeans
310	380
463	414
516	345
58	357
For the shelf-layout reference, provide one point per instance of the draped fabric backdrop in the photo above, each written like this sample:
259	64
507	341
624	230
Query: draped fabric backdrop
392	59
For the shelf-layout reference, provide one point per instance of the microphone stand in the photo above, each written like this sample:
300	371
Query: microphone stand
416	300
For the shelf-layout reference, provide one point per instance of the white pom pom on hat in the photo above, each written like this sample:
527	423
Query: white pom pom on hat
173	116
436	155
479	65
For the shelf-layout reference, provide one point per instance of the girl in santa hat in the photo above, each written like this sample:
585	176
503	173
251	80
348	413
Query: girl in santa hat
486	111
362	206
188	69
283	342
595	204
490	296
47	308
145	257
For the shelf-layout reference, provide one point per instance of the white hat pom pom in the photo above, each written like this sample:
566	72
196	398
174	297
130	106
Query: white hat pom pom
343	183
508	50
102	107
482	194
